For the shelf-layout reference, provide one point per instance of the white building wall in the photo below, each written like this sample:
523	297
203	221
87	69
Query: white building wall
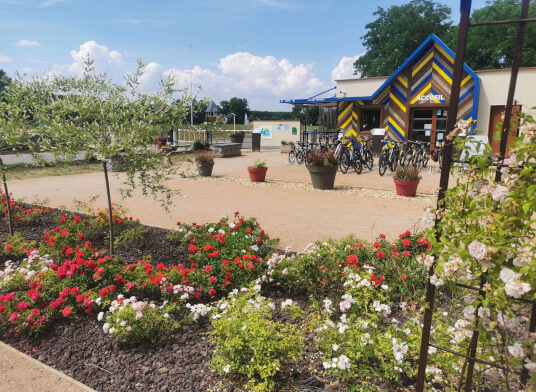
358	87
494	91
280	130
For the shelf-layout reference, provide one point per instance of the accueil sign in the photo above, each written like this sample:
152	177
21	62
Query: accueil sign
430	98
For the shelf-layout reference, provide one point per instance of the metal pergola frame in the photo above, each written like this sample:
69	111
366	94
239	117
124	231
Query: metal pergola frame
465	11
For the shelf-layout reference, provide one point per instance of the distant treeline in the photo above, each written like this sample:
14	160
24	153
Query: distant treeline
265	115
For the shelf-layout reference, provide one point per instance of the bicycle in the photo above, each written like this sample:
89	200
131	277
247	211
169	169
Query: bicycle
350	158
389	156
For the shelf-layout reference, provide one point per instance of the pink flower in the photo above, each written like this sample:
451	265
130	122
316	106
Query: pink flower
14	317
406	253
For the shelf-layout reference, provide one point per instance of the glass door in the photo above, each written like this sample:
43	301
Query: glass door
440	126
422	125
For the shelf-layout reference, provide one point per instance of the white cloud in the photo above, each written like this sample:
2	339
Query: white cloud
5	59
345	68
263	80
50	3
28	44
105	60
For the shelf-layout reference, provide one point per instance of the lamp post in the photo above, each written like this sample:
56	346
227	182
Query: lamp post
234	122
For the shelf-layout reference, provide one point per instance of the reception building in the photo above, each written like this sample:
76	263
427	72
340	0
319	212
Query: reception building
412	103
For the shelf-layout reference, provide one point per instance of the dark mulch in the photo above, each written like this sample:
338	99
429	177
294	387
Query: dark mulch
79	348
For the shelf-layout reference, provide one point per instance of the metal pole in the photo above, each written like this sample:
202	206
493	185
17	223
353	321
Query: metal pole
465	10
110	212
191	90
8	199
512	88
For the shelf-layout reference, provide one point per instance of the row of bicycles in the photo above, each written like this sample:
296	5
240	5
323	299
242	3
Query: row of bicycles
356	153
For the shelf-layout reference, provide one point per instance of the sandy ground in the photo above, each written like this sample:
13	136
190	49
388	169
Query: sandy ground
21	373
286	205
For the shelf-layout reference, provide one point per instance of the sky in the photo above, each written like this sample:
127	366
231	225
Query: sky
261	50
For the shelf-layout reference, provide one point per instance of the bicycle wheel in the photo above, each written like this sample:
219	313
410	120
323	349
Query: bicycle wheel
299	157
382	164
356	163
292	157
369	161
425	159
393	163
344	163
416	162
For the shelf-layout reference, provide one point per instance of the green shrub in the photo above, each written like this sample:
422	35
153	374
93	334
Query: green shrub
250	343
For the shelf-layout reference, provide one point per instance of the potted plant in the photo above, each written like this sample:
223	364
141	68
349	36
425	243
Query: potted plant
161	141
285	146
406	181
322	168
257	171
205	162
237	137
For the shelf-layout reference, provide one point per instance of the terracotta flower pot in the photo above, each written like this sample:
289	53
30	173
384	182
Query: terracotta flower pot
161	141
205	168
322	177
257	174
406	188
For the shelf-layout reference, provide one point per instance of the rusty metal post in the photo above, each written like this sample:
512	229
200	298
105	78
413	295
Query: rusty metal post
465	10
512	87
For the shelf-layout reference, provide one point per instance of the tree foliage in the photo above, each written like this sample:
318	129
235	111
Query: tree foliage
398	31
4	80
310	115
238	106
490	47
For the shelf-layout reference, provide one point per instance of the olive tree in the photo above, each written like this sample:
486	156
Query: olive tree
91	114
22	110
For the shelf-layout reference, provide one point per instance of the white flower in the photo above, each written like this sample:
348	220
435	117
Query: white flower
432	350
513	285
326	365
399	350
428	217
530	366
285	303
516	350
112	330
436	281
226	368
477	250
499	193
128	328
469	312
123	323
484	313
335	347
346	303
254	248
343	362
211	229
106	328
166	315
100	316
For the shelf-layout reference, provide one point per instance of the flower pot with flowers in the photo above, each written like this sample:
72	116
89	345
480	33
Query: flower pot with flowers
205	162
161	141
322	168
406	181
257	171
237	137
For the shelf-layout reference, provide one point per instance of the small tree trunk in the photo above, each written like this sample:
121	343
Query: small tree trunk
110	212
8	199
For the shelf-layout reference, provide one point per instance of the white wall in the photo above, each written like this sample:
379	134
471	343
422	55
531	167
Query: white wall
494	90
359	87
278	135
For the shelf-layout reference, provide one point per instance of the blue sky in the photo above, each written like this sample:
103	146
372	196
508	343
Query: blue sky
262	50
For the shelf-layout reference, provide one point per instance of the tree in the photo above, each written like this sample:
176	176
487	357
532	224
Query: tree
4	80
398	31
107	120
238	106
491	47
21	108
310	115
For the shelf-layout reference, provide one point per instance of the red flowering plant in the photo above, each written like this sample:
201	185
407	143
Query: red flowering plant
224	255
19	213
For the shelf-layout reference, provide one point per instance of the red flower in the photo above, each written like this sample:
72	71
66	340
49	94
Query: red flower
14	317
403	276
77	219
380	255
251	266
406	242
212	292
237	260
64	233
359	245
22	305
376	244
103	292
406	253
8	248
236	213
131	286
197	295
66	311
224	262
35	312
382	236
212	279
208	247
396	254
208	269
352	260
214	254
161	267
81	236
111	288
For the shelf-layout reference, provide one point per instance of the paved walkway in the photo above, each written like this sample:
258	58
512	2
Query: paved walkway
21	373
286	205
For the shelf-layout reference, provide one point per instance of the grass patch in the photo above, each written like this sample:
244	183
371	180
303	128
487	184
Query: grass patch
24	171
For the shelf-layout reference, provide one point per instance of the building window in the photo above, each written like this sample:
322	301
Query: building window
370	119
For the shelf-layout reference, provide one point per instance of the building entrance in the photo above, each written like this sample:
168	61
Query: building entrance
429	125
